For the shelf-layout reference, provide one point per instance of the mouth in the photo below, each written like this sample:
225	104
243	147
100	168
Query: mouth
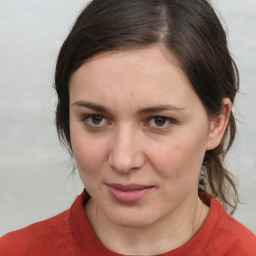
128	194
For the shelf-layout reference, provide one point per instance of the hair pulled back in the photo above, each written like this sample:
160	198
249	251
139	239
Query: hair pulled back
189	29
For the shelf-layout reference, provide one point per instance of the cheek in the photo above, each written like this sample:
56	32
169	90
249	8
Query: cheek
166	159
89	154
179	160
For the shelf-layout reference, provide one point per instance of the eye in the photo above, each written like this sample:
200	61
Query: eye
95	120
159	122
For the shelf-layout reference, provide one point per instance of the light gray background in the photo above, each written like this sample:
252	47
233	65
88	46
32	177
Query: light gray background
34	170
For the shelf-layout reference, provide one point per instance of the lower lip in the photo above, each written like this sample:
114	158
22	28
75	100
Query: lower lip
128	197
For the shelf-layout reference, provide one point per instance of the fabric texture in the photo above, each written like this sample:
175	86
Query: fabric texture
70	234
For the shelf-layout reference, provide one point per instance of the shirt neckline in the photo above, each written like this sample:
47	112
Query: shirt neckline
87	243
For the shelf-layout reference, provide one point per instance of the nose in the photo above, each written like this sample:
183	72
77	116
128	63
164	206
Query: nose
126	153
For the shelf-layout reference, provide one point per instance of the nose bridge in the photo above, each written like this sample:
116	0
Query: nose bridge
126	153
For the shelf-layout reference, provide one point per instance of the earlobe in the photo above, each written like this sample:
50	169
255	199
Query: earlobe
218	125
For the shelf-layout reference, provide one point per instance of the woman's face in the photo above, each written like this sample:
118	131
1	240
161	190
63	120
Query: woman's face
139	134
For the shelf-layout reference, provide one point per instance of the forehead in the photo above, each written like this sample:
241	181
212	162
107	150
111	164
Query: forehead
142	75
121	64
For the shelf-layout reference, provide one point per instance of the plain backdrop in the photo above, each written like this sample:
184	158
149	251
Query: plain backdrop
35	180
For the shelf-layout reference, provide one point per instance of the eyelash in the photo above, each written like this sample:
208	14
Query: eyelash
89	122
167	121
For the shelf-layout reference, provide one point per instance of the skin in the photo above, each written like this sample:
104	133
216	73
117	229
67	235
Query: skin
127	145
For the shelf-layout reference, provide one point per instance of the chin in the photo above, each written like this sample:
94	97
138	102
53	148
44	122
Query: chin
131	219
131	223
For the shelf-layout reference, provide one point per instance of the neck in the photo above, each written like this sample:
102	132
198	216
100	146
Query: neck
167	234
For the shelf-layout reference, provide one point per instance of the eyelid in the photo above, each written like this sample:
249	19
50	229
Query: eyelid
168	119
106	121
85	118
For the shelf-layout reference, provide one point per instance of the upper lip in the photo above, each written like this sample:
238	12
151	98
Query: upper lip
129	187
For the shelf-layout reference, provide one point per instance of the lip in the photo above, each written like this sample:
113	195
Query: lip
128	194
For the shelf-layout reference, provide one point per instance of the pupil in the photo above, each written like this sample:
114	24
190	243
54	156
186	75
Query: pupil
159	121
96	119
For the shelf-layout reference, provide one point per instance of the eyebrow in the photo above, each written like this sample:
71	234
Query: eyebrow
159	108
106	110
93	106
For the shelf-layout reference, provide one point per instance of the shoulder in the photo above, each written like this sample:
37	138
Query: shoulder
233	235
41	238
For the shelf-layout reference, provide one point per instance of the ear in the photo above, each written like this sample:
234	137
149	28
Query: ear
218	125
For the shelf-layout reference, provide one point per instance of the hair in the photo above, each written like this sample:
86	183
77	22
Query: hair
189	29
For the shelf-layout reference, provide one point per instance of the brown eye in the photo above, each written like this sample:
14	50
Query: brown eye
93	120
159	121
96	119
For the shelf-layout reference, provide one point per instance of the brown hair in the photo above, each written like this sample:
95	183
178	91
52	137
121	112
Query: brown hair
191	30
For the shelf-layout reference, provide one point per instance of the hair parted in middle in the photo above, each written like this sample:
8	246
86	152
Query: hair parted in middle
191	31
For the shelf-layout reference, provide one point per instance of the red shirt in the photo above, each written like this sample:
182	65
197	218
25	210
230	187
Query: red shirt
70	234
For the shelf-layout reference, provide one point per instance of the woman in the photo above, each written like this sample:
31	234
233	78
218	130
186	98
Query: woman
145	92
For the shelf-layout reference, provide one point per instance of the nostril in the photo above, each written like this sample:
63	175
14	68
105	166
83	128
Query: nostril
124	163
125	150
